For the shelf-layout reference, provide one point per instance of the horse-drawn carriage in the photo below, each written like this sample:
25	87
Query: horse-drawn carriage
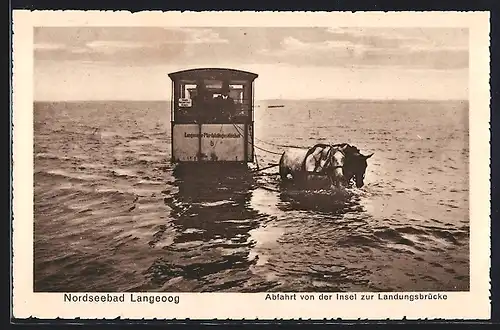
213	123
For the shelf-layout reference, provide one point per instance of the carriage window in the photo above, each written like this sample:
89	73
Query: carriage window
212	105
213	85
236	93
189	91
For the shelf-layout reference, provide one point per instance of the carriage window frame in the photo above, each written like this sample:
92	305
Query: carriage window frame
243	102
185	93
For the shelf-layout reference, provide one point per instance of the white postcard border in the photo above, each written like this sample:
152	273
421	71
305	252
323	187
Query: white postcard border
458	305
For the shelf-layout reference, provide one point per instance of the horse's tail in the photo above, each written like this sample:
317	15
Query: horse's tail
282	168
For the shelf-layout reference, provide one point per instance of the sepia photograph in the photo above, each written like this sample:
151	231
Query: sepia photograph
119	111
251	159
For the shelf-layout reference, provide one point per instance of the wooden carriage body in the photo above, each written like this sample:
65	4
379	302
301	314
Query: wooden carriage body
212	116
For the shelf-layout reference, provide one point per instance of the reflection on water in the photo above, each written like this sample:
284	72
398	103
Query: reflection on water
212	204
212	218
332	201
226	231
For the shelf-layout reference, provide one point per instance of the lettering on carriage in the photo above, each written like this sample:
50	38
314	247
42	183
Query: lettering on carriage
213	135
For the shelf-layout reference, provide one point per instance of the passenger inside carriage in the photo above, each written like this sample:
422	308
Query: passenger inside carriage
200	100
224	104
212	102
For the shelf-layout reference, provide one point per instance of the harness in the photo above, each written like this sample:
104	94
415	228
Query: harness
327	165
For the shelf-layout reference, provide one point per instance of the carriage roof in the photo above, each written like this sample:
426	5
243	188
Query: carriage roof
213	73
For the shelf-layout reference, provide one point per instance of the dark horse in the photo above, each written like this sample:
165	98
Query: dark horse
355	165
340	163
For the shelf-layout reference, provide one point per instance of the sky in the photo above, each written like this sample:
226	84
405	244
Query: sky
132	63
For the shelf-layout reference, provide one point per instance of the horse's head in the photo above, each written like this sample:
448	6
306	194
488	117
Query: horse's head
355	166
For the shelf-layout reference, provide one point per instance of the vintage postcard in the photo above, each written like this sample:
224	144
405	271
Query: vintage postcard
251	165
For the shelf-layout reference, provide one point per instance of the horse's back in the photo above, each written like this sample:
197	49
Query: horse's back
291	161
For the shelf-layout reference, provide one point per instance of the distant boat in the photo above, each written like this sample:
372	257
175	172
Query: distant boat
275	106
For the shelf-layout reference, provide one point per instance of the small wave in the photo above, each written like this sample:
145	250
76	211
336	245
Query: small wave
217	203
359	240
394	236
447	235
123	173
149	182
91	166
193	231
88	200
139	136
147	161
109	134
48	156
41	175
411	230
62	175
140	142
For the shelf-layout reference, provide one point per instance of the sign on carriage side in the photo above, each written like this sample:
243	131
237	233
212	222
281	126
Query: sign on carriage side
223	142
213	135
218	142
185	103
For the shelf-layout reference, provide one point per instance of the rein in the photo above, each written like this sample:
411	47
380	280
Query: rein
329	158
333	148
